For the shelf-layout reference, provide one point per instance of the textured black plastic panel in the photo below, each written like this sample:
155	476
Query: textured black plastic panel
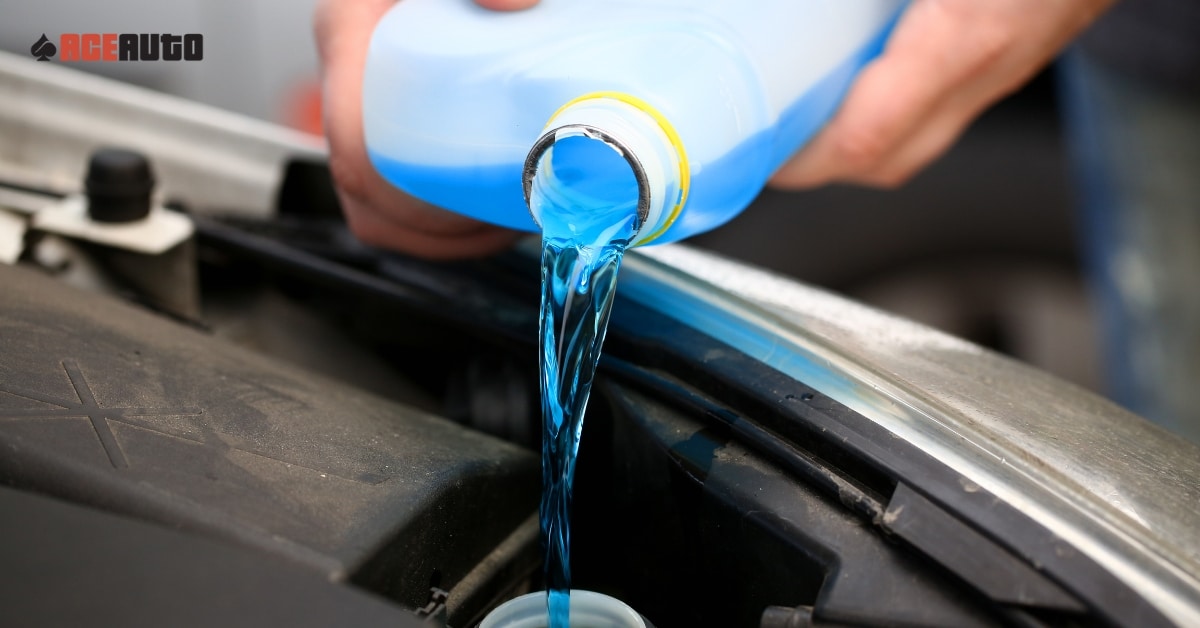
66	565
107	405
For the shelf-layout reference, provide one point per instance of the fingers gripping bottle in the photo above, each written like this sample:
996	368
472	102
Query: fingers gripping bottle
704	100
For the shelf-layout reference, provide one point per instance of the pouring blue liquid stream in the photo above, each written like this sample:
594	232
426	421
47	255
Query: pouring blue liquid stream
701	144
585	196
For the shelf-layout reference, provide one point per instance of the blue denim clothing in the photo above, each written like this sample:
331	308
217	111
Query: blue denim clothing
1135	144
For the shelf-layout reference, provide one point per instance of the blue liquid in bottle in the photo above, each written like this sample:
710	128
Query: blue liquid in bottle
586	199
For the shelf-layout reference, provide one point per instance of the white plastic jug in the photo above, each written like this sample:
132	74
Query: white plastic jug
703	98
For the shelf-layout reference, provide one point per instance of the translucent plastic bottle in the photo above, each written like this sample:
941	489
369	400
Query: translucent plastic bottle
704	99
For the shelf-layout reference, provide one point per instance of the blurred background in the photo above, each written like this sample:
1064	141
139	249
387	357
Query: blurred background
259	56
981	245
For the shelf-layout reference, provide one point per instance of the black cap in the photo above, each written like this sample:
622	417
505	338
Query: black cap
119	183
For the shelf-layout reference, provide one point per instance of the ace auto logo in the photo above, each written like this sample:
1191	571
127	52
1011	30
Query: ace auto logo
43	49
120	47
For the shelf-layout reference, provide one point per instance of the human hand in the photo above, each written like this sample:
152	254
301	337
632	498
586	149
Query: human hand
946	62
378	213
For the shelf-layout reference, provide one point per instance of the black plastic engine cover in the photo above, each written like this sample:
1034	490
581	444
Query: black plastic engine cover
68	565
109	406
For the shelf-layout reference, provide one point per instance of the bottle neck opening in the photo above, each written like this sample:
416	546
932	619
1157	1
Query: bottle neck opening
581	174
608	159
